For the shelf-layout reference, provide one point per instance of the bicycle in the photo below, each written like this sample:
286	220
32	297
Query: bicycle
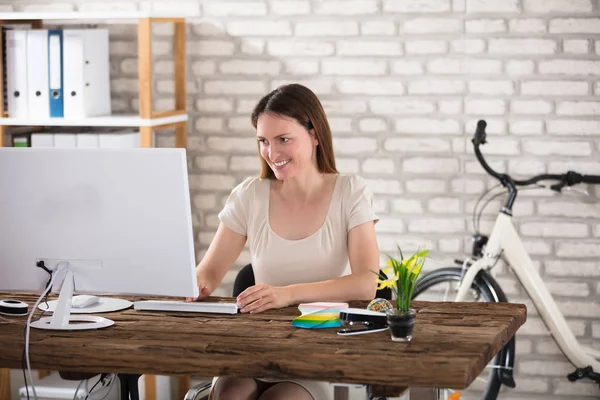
474	276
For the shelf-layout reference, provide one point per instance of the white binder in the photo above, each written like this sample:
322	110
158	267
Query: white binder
37	74
125	139
87	140
16	73
42	140
65	140
86	73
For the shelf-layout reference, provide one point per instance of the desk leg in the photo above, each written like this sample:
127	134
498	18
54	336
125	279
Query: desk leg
4	384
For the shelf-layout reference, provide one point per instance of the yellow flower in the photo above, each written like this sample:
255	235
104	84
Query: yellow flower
390	282
385	284
417	270
409	264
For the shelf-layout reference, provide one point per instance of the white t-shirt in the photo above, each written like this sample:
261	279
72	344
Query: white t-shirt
321	256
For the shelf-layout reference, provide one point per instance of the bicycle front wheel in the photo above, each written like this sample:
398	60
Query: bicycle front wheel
442	285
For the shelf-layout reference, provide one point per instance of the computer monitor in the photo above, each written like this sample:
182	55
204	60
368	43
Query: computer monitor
117	220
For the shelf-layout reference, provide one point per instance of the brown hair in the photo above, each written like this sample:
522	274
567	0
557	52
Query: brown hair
300	103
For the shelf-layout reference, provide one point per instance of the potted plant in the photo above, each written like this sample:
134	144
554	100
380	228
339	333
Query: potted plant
402	274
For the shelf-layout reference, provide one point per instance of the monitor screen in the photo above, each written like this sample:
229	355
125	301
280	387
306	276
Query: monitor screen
120	218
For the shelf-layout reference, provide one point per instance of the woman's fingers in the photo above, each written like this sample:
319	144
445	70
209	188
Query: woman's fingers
257	306
261	297
251	294
264	307
254	300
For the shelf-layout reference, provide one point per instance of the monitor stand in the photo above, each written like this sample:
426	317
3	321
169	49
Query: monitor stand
62	320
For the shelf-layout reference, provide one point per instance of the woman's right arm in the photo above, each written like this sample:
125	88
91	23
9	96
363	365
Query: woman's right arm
224	249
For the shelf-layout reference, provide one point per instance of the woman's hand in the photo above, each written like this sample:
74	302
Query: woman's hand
205	291
262	297
204	288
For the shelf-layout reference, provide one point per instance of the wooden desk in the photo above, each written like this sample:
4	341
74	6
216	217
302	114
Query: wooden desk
452	343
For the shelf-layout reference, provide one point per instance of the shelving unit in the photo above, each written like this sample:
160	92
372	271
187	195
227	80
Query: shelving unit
147	120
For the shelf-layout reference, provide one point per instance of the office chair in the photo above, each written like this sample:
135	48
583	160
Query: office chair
243	280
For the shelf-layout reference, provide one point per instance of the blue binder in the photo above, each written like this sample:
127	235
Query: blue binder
55	72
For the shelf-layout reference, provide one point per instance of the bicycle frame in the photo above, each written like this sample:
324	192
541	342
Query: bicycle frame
505	239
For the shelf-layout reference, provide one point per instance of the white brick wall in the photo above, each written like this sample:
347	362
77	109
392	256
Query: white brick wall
404	83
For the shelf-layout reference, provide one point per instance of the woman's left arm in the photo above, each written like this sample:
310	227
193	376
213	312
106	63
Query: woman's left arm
361	284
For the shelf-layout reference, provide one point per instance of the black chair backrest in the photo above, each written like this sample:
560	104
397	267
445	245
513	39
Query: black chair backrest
245	278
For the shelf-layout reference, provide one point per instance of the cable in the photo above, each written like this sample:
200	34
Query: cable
88	391
77	390
23	353
23	363
39	264
112	383
28	325
26	349
485	205
498	195
475	227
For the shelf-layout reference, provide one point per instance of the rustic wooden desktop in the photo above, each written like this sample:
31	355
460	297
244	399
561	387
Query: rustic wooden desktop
452	344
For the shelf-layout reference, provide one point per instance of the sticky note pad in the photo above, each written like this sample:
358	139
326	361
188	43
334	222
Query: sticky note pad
319	315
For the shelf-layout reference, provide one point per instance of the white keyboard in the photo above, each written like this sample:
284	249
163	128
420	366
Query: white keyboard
202	306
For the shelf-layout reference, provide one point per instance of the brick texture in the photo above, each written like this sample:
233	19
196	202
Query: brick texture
404	83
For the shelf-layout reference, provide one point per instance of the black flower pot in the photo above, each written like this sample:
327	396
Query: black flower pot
401	324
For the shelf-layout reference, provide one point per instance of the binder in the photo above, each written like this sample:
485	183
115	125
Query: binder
42	140
86	73
37	74
16	72
125	139
87	140
5	90
21	140
65	140
55	73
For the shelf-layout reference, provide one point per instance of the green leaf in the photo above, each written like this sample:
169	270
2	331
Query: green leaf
400	251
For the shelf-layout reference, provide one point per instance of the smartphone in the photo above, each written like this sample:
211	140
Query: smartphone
360	331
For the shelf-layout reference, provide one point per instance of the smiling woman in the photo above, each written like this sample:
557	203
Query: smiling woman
289	112
304	224
287	153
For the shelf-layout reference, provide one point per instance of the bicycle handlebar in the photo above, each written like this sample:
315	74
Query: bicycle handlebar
569	179
479	139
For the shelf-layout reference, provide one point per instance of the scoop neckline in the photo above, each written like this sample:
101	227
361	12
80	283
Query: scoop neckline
333	193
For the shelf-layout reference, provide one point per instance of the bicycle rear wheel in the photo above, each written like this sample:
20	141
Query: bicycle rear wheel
442	285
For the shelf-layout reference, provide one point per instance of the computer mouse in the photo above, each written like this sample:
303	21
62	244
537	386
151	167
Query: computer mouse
84	300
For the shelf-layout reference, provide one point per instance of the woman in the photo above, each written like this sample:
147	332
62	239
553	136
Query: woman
302	221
